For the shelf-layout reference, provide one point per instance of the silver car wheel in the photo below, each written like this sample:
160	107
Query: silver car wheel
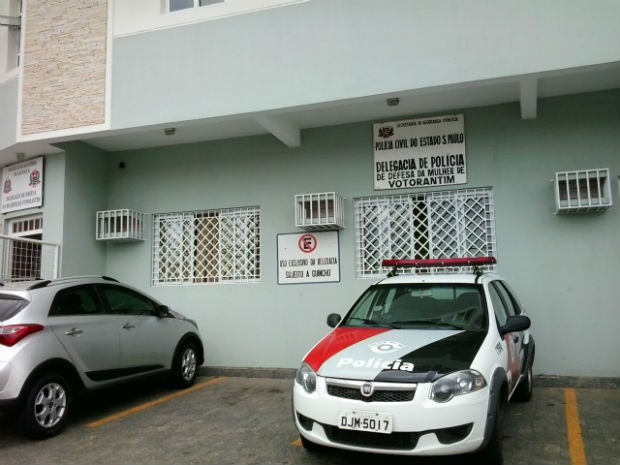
50	405
188	364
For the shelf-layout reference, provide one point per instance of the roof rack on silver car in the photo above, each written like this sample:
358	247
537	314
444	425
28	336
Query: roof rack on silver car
45	282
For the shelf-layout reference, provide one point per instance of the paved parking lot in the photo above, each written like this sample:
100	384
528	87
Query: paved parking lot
241	420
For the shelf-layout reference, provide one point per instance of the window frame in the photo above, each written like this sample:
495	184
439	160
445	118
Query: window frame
439	224
213	246
87	289
195	4
104	289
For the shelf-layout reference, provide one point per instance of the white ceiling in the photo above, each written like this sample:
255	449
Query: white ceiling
287	124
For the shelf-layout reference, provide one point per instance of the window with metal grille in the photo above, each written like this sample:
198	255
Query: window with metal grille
211	246
448	224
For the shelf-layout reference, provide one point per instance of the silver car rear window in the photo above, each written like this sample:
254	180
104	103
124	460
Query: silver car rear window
10	306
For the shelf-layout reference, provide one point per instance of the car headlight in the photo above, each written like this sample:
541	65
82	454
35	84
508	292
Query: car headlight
456	384
307	378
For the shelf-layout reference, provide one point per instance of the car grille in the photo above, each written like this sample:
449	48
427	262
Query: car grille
382	392
393	441
377	396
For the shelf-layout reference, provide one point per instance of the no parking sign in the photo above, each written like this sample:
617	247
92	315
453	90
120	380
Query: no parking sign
312	257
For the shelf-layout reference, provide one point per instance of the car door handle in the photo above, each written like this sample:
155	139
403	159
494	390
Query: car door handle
128	326
74	332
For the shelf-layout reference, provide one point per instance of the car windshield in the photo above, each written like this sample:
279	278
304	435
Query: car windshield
10	306
433	306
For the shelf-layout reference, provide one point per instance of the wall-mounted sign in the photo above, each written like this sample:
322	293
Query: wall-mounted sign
419	152
308	258
22	185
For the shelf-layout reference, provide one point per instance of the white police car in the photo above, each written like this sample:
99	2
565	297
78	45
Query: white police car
422	364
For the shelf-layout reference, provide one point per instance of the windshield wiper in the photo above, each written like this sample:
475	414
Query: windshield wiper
426	322
367	321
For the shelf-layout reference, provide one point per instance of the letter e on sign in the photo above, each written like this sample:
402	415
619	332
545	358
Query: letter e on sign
307	243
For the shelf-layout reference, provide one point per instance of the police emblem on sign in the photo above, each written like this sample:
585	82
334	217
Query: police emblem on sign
385	132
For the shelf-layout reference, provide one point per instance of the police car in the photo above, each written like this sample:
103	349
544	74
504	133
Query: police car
422	364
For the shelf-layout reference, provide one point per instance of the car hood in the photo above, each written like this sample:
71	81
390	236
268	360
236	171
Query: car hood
397	355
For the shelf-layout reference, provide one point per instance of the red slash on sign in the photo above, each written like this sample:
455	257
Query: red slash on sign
307	243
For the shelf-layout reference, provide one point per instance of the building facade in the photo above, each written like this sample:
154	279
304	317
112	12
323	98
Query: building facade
250	163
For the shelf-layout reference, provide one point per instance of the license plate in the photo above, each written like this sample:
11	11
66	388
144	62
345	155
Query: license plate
365	421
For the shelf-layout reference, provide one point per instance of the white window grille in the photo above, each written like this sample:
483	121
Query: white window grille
582	191
319	211
446	224
120	225
24	256
211	246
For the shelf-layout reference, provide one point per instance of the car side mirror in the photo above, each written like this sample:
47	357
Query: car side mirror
515	323
163	311
333	319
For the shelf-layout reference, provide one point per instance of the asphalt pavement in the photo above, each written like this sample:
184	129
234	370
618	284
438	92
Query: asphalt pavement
248	420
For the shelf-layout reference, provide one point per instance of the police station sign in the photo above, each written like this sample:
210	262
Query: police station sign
22	185
308	258
419	152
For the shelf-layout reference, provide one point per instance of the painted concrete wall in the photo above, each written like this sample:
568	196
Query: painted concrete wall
8	112
85	191
565	268
324	50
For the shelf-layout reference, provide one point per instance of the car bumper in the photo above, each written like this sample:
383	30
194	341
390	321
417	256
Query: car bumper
9	391
420	426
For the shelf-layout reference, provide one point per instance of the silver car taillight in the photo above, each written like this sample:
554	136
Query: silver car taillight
12	334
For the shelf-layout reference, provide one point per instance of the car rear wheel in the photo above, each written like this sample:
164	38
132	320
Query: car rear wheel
46	407
185	365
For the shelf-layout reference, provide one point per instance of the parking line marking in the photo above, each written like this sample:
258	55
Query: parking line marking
575	440
153	403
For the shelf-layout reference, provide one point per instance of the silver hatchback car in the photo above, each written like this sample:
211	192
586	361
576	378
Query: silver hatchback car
60	337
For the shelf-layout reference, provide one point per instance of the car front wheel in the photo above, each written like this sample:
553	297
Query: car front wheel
46	407
185	365
493	454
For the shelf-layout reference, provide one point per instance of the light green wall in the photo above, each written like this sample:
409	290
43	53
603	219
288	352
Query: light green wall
8	112
325	50
85	191
565	268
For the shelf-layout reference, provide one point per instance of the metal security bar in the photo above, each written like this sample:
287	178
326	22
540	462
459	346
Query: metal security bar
582	191
211	246
419	226
120	225
25	259
319	211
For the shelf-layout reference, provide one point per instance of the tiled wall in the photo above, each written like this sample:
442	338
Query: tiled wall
64	68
